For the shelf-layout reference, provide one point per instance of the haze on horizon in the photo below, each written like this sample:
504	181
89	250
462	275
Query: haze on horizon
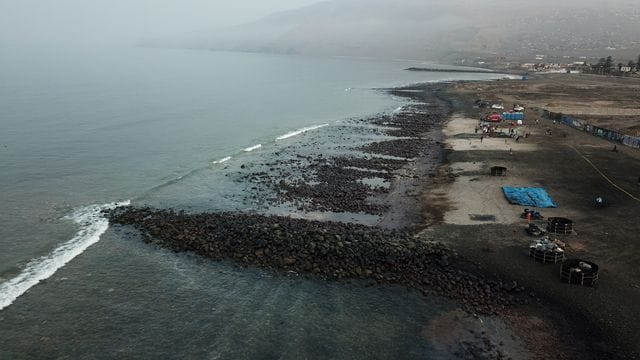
124	22
440	30
446	30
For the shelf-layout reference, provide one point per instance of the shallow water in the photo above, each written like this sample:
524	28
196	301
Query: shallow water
123	297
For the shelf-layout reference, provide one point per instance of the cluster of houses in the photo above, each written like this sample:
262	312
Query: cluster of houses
575	67
564	64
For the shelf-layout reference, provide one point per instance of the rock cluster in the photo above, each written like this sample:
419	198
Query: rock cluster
377	164
329	184
336	189
334	183
401	148
411	124
325	249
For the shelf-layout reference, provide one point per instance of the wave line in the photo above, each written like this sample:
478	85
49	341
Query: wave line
222	160
300	131
254	147
92	225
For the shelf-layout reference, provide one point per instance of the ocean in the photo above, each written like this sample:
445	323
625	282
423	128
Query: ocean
82	130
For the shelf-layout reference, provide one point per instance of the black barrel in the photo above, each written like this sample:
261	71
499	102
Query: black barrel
579	272
545	257
559	225
498	171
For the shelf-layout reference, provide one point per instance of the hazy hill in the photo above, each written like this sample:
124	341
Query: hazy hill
437	29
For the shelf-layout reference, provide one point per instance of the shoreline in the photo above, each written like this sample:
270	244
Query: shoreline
340	255
452	70
410	151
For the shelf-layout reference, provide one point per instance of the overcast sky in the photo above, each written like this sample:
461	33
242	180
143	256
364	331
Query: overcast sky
124	21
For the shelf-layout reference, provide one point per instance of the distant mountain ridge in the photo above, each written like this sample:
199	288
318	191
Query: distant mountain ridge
437	29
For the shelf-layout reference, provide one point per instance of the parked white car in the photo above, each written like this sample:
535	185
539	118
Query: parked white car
497	106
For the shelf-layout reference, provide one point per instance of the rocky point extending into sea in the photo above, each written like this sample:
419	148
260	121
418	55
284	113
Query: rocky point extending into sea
327	250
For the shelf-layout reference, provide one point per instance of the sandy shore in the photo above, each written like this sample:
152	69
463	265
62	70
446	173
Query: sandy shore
473	197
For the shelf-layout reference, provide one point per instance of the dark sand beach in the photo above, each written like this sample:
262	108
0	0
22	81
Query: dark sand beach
423	177
574	167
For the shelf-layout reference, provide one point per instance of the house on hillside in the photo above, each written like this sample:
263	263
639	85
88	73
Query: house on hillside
577	67
625	69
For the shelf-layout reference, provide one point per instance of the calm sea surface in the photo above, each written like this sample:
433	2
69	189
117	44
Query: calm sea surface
83	130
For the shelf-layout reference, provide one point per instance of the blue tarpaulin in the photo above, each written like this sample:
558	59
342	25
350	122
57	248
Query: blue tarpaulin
526	196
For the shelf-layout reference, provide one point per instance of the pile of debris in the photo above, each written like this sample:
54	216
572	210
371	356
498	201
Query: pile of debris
535	230
531	215
546	250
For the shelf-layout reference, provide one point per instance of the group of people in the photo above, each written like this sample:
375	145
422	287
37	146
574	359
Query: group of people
488	130
513	133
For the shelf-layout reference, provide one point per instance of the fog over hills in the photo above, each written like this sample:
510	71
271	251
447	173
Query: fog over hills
436	29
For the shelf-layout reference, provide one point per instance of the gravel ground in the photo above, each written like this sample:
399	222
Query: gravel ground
606	318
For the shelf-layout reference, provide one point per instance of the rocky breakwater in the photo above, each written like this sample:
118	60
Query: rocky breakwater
327	250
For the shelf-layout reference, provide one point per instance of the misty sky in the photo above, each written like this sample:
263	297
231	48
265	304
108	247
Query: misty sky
124	21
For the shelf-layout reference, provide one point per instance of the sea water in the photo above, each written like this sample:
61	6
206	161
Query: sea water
83	130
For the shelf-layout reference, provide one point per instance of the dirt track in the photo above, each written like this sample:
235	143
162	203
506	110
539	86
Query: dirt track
610	313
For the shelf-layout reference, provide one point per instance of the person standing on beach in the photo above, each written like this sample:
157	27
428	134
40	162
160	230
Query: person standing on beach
481	137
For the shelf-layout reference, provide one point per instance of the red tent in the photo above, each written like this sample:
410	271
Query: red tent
494	118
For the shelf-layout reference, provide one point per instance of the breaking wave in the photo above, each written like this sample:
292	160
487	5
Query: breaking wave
222	160
300	131
254	147
92	225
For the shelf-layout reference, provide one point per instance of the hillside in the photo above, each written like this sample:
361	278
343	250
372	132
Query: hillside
438	29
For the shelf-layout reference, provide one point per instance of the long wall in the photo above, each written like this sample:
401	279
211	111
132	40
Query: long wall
611	135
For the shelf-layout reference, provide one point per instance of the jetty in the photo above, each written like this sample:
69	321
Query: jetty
449	70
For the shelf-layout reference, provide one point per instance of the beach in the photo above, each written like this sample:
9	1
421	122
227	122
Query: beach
574	167
77	286
442	225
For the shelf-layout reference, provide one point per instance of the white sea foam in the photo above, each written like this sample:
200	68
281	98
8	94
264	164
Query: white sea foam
397	110
222	160
92	225
300	131
254	147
